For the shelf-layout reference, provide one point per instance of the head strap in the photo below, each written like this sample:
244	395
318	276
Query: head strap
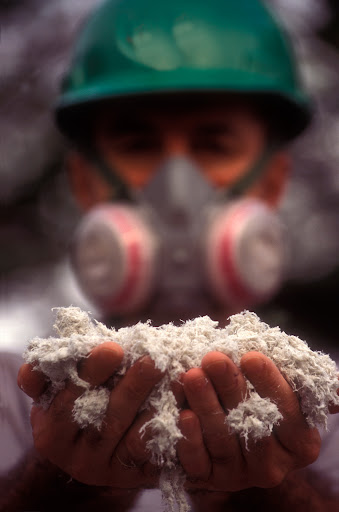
120	189
253	174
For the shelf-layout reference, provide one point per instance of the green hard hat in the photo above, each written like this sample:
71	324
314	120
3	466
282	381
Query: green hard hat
137	48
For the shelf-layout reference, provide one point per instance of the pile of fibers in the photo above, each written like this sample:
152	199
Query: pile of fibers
176	349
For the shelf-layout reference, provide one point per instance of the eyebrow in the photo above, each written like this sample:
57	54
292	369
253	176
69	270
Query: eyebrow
125	125
215	129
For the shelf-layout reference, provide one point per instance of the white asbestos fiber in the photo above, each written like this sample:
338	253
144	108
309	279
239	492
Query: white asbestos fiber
176	349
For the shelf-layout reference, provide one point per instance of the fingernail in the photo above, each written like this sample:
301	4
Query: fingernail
198	384
187	426
218	369
254	364
104	352
147	368
21	386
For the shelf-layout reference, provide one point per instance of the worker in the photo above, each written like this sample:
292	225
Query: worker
179	117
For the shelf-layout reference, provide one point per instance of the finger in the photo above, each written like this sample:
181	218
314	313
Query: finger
220	472
57	436
177	389
101	363
96	369
125	399
110	466
267	461
334	409
226	378
133	448
60	440
293	432
105	466
54	430
134	451
204	402
191	450
31	381
128	396
58	420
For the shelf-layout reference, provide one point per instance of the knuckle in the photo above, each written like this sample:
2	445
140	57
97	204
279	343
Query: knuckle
45	442
308	451
226	462
114	425
217	442
135	392
64	401
135	449
93	437
197	469
312	454
209	410
267	472
78	472
271	477
275	477
195	474
43	438
41	444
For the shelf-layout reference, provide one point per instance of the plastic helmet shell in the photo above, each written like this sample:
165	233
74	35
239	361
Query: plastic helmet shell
141	47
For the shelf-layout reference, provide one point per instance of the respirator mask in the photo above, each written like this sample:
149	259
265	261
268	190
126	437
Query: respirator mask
179	242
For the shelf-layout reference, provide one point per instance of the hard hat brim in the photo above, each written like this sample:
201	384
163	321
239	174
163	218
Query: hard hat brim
74	105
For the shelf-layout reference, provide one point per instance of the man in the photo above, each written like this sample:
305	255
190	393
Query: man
181	113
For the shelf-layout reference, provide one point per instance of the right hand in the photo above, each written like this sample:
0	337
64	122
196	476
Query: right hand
116	456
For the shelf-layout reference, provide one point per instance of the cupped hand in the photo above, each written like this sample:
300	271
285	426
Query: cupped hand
115	456
215	459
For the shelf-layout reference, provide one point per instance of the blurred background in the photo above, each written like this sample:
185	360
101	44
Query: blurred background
38	215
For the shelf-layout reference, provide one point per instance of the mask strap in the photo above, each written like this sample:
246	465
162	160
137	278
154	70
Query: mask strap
255	172
120	189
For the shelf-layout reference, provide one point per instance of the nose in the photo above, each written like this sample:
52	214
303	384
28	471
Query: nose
175	143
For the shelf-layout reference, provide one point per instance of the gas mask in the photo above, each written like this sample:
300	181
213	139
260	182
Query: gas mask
180	243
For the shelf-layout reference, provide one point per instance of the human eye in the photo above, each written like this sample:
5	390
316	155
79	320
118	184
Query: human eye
216	145
137	144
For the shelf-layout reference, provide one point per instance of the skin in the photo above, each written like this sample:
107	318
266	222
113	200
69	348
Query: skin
95	458
223	138
213	459
206	456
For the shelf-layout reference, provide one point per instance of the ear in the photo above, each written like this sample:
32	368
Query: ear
271	186
86	185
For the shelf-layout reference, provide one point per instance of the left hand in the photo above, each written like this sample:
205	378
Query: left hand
116	456
216	460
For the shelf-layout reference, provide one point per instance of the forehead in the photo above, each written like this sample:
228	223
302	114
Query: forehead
179	111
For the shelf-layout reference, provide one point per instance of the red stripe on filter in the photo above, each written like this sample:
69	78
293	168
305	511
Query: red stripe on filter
237	292
224	268
138	253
